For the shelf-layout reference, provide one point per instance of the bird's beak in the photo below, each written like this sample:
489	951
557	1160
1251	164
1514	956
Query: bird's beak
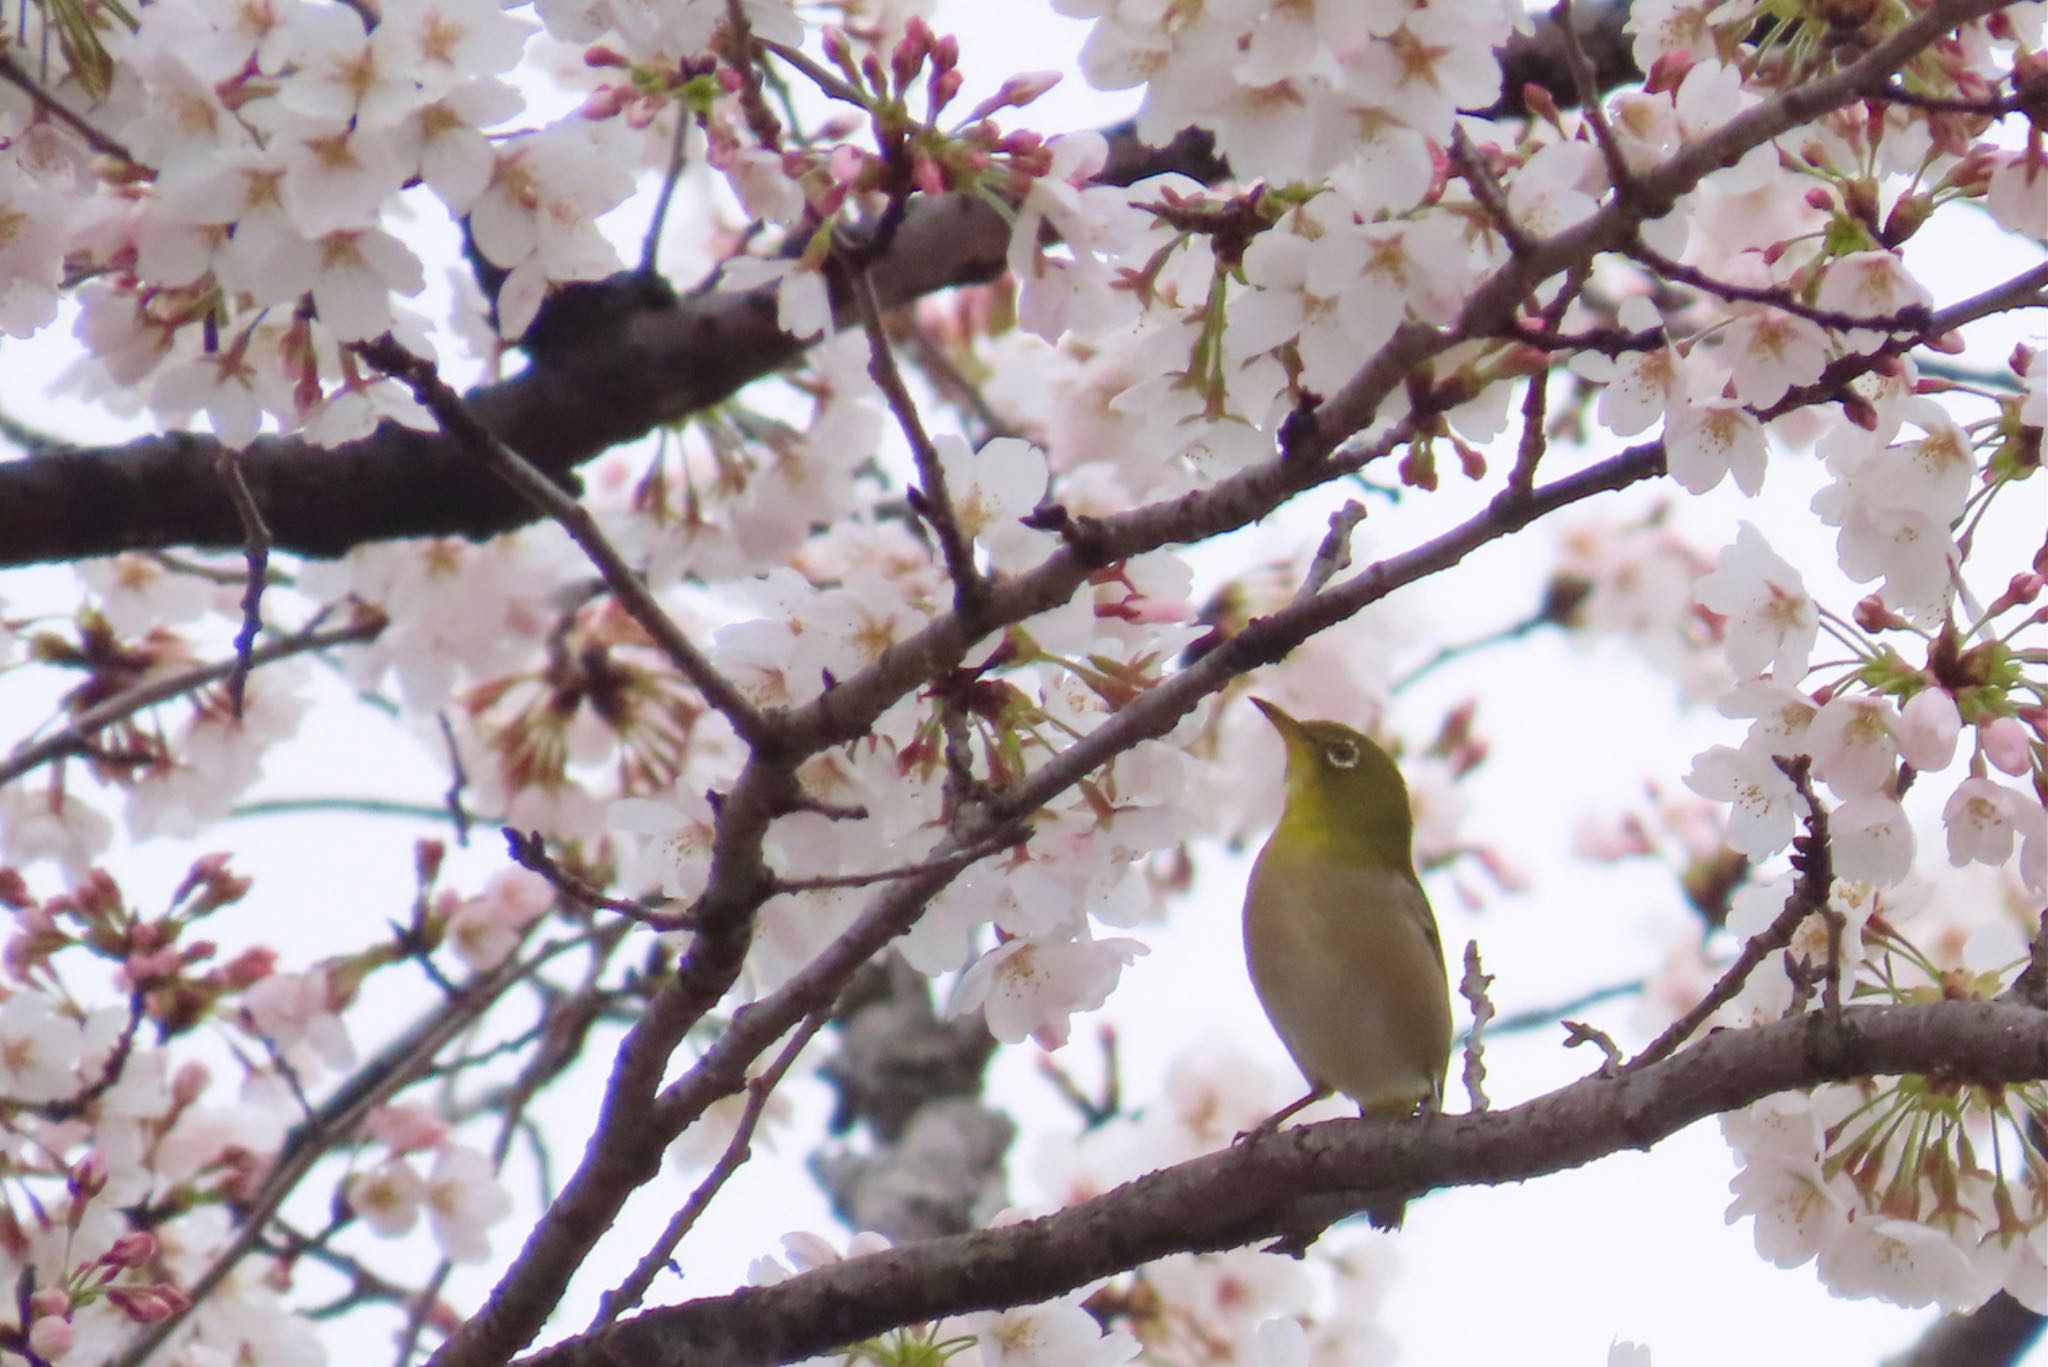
1287	726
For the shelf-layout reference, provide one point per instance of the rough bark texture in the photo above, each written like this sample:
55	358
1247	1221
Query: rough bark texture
1266	1189
608	363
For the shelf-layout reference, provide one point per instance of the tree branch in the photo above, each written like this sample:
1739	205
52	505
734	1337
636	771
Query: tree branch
1997	1333
1245	1194
612	361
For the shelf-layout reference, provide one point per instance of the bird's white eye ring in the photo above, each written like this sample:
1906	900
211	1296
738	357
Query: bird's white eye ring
1341	753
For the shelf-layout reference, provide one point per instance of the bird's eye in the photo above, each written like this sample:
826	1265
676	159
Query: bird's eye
1341	753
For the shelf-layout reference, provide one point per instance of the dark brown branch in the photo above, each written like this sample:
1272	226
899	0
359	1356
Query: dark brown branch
1996	1334
612	361
1246	1194
631	1134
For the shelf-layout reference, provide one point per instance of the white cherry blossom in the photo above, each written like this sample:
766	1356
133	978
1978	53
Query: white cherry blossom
1765	805
1706	440
1772	623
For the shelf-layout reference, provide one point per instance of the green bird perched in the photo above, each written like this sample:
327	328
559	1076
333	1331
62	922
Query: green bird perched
1342	947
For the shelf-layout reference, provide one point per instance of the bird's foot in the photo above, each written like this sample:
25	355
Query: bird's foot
1280	1117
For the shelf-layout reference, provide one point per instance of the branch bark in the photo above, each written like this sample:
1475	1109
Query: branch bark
1254	1191
1995	1334
611	361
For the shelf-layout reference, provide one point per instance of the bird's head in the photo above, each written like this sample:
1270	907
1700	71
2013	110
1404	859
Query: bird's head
1342	788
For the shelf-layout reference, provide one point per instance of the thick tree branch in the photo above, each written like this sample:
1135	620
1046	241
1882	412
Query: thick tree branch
1245	1194
630	1133
611	362
614	360
637	1120
1996	1334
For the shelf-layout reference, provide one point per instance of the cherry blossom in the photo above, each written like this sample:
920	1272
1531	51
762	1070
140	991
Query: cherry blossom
739	716
1772	624
1765	803
1707	440
464	1198
1050	1335
1032	987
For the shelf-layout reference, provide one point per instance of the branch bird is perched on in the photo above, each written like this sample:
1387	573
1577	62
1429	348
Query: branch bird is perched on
1343	949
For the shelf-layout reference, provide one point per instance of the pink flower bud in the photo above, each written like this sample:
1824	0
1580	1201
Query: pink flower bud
134	1249
1872	615
88	1176
51	1300
2025	587
2006	744
602	103
147	1304
1927	730
249	967
642	113
50	1337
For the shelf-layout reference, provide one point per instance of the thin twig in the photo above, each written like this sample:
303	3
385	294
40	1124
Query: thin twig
1486	190
458	779
737	1150
367	806
1334	555
76	735
1472	987
1000	840
1577	1033
1581	68
1514	631
931	499
1537	1017
457	421
33	440
529	851
650	246
256	553
12	73
953	386
1536	398
826	81
1813	859
1806	899
1912	320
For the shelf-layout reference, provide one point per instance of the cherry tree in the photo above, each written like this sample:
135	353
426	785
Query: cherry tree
829	632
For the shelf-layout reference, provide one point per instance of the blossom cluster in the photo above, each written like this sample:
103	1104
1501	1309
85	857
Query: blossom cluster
218	195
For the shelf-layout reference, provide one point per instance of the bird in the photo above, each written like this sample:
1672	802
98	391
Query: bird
1341	944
